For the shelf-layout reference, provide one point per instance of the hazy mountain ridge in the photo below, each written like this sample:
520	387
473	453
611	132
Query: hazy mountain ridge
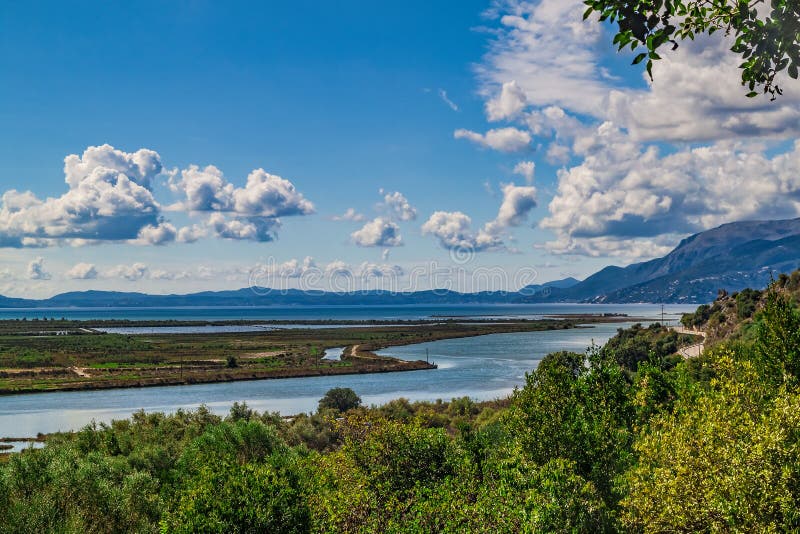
732	257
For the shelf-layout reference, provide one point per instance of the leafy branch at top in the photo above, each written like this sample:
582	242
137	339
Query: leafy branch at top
767	44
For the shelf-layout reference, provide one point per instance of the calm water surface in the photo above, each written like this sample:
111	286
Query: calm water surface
483	368
289	313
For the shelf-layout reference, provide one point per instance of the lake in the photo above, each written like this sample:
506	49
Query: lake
484	368
350	313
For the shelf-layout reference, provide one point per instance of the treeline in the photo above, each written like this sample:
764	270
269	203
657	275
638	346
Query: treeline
624	438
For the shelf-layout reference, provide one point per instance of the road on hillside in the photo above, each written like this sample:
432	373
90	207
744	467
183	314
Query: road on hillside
692	351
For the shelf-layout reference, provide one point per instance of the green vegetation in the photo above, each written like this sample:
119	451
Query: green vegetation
70	355
340	399
625	438
766	34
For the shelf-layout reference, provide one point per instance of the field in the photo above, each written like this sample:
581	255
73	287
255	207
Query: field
69	355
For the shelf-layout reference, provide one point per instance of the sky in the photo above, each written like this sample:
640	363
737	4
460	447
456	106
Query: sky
171	147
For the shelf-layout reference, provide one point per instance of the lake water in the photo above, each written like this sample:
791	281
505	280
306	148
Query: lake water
310	313
484	367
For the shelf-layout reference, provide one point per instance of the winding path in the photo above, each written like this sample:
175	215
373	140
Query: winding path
692	351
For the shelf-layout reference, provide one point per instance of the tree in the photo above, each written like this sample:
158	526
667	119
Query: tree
724	461
765	37
778	336
340	399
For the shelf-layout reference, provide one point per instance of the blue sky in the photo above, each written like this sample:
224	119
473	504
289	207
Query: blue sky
342	100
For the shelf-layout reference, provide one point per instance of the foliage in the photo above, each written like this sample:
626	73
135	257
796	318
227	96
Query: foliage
766	38
729	460
581	414
655	344
778	336
340	399
621	439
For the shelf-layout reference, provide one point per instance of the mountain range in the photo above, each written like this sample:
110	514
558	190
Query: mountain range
731	257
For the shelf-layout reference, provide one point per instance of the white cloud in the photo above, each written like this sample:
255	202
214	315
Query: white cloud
162	274
338	268
443	95
204	189
160	234
553	58
508	104
550	53
36	270
527	169
453	229
518	201
290	269
141	167
190	234
165	233
82	271
397	206
369	270
507	139
260	229
104	205
131	273
695	96
624	191
349	215
264	195
379	232
558	154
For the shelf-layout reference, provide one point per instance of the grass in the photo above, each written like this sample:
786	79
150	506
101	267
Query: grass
116	360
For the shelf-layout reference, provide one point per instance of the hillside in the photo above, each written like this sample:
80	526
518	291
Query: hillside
731	257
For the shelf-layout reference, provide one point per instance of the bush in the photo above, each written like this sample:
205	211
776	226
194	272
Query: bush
340	399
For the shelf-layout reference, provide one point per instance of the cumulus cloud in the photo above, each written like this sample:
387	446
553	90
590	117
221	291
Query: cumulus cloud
260	229
379	232
453	229
508	103
264	195
349	215
695	97
131	273
190	234
550	53
104	205
644	165
162	274
82	271
244	213
164	233
141	167
36	270
369	270
625	191
526	169
554	59
160	234
518	201
338	268
293	268
397	206
507	139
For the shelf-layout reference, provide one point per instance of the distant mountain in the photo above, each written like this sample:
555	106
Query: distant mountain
260	297
564	283
732	256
